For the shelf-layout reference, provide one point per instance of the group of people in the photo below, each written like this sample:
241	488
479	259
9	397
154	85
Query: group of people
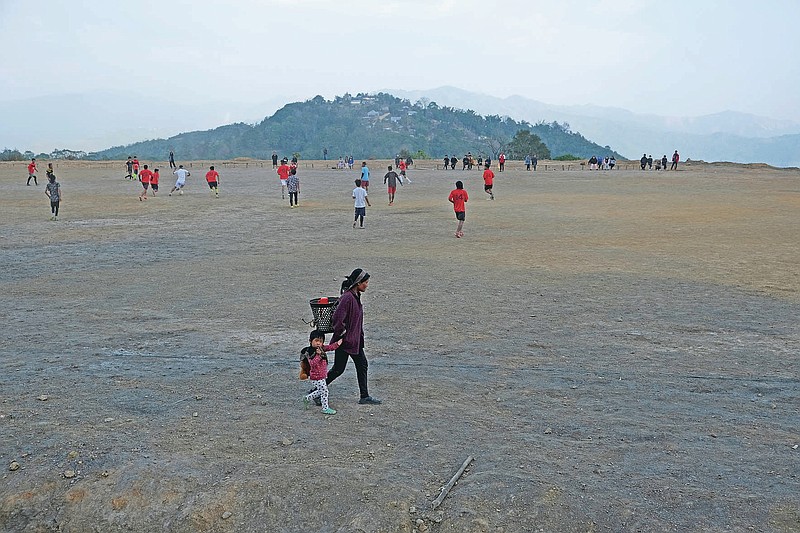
345	162
52	189
646	162
602	163
459	197
149	179
467	162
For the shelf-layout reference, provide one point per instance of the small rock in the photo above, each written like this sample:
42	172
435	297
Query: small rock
109	419
69	474
13	466
287	441
413	509
104	473
42	398
226	515
72	455
195	414
795	446
548	431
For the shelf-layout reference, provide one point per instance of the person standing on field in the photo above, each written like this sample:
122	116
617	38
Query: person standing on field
283	175
32	172
365	176
348	326
488	181
459	197
391	179
154	182
361	201
53	191
293	187
144	178
675	159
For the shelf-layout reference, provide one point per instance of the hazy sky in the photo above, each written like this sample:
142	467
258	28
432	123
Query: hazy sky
678	57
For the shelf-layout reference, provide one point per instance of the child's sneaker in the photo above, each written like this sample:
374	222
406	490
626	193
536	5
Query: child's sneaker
329	411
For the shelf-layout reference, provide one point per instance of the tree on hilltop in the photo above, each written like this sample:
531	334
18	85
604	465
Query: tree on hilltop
526	143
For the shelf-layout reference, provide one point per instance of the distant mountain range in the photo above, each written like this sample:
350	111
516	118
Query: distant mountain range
97	120
366	126
725	136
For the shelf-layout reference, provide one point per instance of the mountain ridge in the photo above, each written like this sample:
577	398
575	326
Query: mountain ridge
724	136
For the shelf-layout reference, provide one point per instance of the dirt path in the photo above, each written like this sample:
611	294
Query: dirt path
617	350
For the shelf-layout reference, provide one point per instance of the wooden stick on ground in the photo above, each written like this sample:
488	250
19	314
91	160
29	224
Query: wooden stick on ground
450	483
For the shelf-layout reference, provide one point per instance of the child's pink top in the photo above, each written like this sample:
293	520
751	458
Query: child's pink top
319	366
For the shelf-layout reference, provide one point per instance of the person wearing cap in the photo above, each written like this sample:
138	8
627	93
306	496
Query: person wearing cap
348	326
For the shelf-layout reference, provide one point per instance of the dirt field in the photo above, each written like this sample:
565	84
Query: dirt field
618	351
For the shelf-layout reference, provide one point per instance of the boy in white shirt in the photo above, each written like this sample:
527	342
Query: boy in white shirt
361	203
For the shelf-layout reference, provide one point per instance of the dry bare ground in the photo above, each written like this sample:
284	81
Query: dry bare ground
618	351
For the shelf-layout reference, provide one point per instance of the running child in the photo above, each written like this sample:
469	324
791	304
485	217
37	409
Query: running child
391	178
144	177
317	361
488	180
53	191
32	172
180	182
293	187
402	168
154	182
361	203
459	197
212	177
135	168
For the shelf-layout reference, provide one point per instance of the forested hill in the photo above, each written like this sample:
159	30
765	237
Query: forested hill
365	126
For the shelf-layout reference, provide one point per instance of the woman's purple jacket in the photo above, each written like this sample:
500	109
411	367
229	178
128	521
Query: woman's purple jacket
348	323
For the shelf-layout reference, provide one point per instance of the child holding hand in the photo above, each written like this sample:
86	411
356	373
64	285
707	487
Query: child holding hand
318	369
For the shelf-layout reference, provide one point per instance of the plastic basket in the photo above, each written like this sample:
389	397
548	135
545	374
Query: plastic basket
323	313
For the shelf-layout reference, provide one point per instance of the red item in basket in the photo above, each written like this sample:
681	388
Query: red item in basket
323	300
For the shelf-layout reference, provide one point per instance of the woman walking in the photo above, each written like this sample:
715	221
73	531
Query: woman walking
348	325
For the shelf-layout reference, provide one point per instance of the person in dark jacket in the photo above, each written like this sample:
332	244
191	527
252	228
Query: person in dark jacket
348	325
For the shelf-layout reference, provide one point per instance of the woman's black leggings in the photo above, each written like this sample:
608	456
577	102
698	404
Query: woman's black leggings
340	363
54	207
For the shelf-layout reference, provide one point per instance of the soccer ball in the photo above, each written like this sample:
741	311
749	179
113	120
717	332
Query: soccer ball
180	192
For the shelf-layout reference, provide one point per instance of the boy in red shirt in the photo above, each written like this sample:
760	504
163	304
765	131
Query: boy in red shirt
145	176
488	180
212	177
459	197
283	174
136	168
154	182
32	172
